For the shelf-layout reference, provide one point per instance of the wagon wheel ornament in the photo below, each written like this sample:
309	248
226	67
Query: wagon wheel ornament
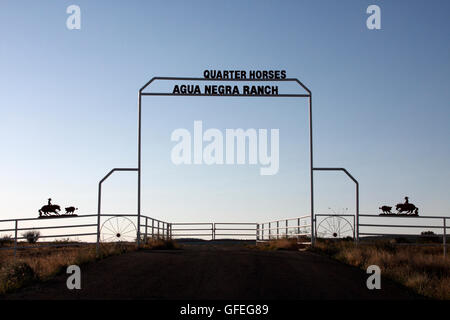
118	229
335	227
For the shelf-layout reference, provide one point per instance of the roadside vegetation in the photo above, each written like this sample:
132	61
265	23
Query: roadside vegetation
32	236
160	244
422	269
41	264
283	244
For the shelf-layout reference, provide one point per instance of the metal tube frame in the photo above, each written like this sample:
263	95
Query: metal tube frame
357	194
99	204
308	95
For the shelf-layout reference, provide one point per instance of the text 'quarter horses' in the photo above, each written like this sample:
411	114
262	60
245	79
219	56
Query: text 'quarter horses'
49	208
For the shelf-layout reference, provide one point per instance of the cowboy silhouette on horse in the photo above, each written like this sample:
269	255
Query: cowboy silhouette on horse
407	207
49	208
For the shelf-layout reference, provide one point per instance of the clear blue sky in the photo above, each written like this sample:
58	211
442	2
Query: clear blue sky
68	105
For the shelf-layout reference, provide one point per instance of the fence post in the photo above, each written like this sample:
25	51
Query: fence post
270	231
153	228
278	230
287	229
444	240
257	231
298	228
354	227
15	239
167	231
158	230
262	232
146	227
315	227
213	230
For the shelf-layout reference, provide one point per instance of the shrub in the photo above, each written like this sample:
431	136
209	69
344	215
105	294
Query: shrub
283	244
388	246
32	236
401	240
429	236
161	244
6	240
64	240
15	275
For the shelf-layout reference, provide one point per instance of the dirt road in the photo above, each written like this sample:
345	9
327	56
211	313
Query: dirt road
216	272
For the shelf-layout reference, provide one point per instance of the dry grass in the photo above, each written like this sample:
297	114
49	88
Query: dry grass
282	244
161	244
40	264
423	269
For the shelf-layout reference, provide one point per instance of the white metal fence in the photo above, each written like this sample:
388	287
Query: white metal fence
291	227
71	230
214	230
82	229
401	226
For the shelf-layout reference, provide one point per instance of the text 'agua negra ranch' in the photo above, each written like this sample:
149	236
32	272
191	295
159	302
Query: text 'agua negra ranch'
230	90
209	146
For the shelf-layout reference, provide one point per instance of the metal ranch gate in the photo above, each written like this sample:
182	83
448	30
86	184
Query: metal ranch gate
145	226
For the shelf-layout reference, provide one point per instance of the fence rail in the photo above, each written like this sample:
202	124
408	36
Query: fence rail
215	230
284	228
159	229
276	229
371	225
440	223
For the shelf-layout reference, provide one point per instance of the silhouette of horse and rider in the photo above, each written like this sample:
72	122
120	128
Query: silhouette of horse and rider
406	207
50	208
